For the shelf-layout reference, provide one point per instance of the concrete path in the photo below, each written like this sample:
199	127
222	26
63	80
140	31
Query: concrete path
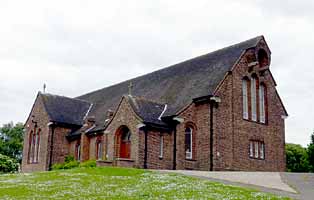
302	182
294	185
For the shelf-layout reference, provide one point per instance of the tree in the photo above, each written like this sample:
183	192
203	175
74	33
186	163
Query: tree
297	158
11	140
310	152
8	164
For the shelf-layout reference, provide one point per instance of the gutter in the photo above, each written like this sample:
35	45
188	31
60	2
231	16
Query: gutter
176	121
212	103
51	124
146	147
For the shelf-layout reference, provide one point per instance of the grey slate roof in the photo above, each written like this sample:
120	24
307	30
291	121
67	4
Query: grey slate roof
65	110
148	110
176	85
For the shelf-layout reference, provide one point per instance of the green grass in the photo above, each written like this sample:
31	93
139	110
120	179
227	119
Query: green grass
117	183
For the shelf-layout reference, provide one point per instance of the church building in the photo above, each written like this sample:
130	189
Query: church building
219	111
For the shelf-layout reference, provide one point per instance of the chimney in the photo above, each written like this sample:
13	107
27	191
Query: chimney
109	114
90	121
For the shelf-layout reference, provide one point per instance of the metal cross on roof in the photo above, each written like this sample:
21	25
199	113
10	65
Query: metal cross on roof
44	88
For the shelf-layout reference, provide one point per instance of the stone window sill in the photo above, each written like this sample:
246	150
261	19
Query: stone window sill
125	159
190	159
33	163
256	122
253	158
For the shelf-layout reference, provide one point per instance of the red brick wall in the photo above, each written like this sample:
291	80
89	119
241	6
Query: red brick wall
198	117
125	116
153	150
93	147
42	120
60	144
232	132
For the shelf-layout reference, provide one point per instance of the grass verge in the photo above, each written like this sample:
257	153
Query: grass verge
118	183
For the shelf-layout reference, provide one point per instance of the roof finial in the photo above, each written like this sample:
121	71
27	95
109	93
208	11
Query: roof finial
44	88
130	88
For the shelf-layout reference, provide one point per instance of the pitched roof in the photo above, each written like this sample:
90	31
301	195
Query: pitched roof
176	85
65	110
149	111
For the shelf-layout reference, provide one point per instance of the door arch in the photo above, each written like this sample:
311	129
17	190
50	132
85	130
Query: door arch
123	142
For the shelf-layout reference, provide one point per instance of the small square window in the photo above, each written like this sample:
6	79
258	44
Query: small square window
257	149
161	147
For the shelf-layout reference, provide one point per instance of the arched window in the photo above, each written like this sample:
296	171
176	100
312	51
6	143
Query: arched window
36	146
262	103
188	143
78	151
245	98
31	147
161	147
263	59
33	152
253	98
99	150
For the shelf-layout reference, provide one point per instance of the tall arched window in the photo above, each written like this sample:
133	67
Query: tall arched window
31	147
262	103
253	98
188	142
78	151
263	58
34	146
99	150
245	98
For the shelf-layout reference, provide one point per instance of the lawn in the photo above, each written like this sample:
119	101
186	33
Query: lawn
117	183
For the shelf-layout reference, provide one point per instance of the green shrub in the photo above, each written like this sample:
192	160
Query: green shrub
57	166
69	163
88	164
7	164
69	158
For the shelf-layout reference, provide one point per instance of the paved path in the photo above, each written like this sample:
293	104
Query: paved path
294	185
302	182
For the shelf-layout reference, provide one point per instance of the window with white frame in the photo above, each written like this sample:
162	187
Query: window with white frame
262	151
161	147
188	142
34	142
31	147
36	145
257	149
262	105
99	150
251	148
245	99
253	99
78	152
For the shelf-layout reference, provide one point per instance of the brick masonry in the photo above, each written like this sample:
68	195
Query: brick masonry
38	114
231	132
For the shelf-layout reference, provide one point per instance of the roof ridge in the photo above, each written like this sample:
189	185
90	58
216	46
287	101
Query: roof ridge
176	64
149	100
61	96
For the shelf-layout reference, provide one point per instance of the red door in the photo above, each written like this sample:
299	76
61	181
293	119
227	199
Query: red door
125	149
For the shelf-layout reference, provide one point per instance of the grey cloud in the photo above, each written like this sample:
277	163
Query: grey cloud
78	46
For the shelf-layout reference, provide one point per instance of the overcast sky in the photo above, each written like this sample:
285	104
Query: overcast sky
78	46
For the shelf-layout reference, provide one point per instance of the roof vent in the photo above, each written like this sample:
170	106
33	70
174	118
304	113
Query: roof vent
91	119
